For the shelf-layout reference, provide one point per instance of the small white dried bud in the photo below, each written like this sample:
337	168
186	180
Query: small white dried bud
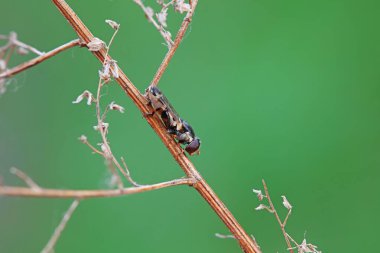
306	248
96	44
22	51
161	17
116	107
114	69
102	126
259	194
160	2
181	6
286	203
105	76
168	35
113	24
260	207
149	12
83	138
106	151
85	94
3	65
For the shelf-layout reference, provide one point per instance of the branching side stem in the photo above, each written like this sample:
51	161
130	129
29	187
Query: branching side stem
178	39
39	59
84	194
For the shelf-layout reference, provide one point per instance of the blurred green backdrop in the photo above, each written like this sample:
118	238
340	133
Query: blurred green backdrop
287	91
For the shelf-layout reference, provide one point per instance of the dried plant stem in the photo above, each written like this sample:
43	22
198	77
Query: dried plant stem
282	225
159	28
24	177
245	241
57	233
39	59
84	194
181	33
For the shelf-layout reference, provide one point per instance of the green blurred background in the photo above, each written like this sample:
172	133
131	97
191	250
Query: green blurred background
287	91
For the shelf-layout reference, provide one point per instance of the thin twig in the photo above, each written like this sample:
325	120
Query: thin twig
128	174
28	47
83	194
95	150
286	218
24	177
57	233
245	241
39	59
181	33
277	217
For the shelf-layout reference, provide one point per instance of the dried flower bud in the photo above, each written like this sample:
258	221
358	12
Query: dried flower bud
286	203
22	51
149	12
181	6
116	107
114	69
103	126
260	207
168	36
83	138
263	207
259	194
160	2
161	17
106	151
306	248
85	94
113	24
96	44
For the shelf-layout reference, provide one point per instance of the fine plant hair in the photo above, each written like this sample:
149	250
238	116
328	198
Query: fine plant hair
111	71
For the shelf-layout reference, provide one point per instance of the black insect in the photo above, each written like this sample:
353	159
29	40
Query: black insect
176	126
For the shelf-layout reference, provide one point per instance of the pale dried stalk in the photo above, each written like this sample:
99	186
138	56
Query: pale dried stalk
84	194
109	155
57	233
162	31
181	33
24	177
39	59
282	224
245	241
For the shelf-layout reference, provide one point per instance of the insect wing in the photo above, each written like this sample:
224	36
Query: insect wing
170	110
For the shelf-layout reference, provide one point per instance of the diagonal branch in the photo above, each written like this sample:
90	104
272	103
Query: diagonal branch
39	59
57	233
245	241
83	194
178	39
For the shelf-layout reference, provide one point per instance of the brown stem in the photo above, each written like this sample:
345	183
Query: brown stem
181	32
277	217
39	59
245	241
83	194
